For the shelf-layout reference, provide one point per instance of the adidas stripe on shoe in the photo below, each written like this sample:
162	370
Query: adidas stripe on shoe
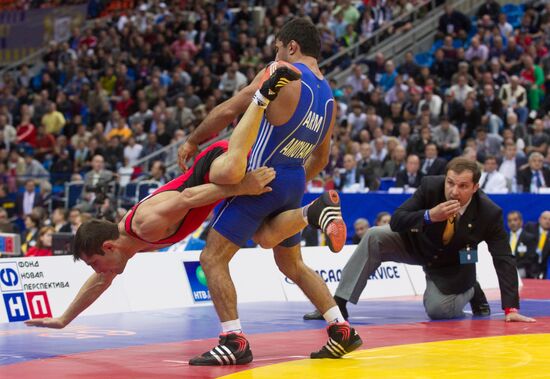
233	349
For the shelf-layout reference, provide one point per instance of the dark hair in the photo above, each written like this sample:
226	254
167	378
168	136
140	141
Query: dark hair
490	157
515	212
90	237
460	165
304	33
380	215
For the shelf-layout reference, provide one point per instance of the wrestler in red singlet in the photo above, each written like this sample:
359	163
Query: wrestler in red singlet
198	174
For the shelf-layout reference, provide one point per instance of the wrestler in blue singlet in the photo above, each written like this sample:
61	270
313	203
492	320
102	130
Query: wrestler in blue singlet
285	148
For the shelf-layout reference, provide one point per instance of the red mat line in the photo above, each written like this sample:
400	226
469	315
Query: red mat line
169	360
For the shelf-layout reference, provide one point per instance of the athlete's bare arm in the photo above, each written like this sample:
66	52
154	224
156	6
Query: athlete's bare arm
319	158
151	220
90	291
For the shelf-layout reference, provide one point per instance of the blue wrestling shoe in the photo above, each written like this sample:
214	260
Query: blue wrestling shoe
233	349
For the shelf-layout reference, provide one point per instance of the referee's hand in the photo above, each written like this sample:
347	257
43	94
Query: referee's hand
444	211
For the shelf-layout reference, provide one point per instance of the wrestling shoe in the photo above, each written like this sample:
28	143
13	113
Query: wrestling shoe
342	339
325	213
233	349
276	76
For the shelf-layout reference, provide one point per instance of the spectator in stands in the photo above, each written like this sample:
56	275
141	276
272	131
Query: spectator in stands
9	134
113	154
432	164
382	218
132	151
511	163
181	114
514	98
518	131
379	151
523	245
409	68
43	246
53	120
30	235
535	176
447	138
350	178
157	172
360	226
396	163
7	201
388	77
432	100
29	199
452	109
490	108
355	79
62	168
75	220
490	8
121	130
541	231
505	28
477	50
59	219
492	181
539	140
453	23
409	177
487	144
95	181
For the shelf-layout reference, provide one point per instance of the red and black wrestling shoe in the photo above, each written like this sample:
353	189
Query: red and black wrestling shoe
342	339
325	213
276	76
233	349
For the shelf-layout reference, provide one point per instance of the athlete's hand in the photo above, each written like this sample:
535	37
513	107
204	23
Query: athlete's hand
516	317
186	152
444	211
48	322
255	182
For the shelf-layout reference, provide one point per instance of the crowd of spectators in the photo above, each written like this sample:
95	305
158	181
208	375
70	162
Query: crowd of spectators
482	97
141	79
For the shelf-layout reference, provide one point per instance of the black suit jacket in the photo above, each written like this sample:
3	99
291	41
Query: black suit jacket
525	176
482	221
38	202
437	168
402	179
525	253
533	228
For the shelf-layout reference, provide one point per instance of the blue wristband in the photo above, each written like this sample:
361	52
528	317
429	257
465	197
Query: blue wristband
427	217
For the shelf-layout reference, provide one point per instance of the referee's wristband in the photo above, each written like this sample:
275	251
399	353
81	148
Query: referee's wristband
427	218
507	311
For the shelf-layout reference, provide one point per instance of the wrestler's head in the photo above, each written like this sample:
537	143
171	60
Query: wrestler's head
97	243
298	37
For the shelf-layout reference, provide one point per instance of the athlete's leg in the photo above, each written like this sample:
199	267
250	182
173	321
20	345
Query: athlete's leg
342	337
289	261
230	168
323	213
215	262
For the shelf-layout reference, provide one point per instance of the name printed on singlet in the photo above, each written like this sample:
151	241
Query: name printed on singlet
297	149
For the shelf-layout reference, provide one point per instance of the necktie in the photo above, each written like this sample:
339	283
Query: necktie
411	179
539	181
513	241
485	181
542	241
449	230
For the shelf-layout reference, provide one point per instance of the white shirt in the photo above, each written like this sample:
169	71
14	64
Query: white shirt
28	202
508	168
496	182
132	153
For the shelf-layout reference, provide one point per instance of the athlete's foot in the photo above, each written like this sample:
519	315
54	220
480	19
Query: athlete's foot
233	349
325	213
275	77
342	339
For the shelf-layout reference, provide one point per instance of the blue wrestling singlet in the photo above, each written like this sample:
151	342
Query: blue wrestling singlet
285	148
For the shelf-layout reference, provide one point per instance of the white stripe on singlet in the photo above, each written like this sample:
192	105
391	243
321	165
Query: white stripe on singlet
295	129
